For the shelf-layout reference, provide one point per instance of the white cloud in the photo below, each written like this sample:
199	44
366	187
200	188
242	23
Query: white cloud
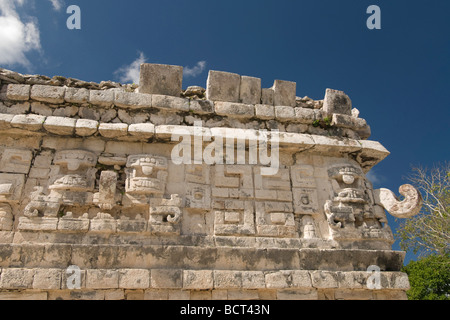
57	4
131	73
375	178
18	36
196	70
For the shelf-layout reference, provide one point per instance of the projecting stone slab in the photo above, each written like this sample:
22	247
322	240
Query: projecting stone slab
48	94
60	126
161	79
223	86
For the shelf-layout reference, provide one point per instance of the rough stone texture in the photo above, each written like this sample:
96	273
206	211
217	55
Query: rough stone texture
337	102
161	79
89	177
284	93
223	86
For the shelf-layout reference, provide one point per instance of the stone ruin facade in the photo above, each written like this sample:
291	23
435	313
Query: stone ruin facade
92	205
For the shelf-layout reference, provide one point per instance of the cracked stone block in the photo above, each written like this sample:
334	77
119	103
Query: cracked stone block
337	102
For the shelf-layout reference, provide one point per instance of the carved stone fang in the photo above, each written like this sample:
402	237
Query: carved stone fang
409	207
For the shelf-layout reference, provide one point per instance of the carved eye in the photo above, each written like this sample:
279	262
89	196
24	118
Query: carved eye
198	196
348	179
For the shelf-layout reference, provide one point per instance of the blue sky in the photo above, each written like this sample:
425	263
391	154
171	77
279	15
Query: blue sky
398	77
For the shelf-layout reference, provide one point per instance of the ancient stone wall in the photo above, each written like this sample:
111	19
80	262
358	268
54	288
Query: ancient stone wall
88	180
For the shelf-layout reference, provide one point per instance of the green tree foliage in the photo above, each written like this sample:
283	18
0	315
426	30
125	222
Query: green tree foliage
429	278
429	232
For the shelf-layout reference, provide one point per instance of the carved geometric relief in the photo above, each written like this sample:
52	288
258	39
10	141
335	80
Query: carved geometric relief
146	175
11	186
305	201
15	161
73	171
233	218
6	217
198	189
233	181
275	219
276	187
165	216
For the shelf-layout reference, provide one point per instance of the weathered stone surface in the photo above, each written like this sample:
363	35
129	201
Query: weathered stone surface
29	122
223	86
134	279
131	100
113	130
337	102
235	109
143	130
161	79
20	92
250	90
77	95
104	98
264	111
170	103
48	94
60	126
284	93
86	128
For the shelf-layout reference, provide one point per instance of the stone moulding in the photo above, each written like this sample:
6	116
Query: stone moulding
88	179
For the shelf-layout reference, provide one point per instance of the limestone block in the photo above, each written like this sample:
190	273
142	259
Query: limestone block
166	279
198	279
103	223
284	113
19	108
92	113
161	79
142	130
17	279
68	112
60	126
5	121
133	100
324	279
337	102
18	92
113	130
223	86
227	279
304	115
50	94
106	197
237	110
41	109
134	279
38	224
265	111
29	122
201	106
253	280
134	226
102	279
267	96
23	296
103	98
250	91
69	224
303	294
77	95
86	128
47	279
284	93
6	218
170	103
15	160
